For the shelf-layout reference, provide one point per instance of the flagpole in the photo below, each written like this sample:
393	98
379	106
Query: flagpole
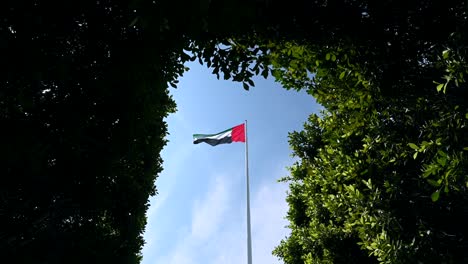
249	236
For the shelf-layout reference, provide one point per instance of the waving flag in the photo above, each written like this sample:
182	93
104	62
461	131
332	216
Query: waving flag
235	134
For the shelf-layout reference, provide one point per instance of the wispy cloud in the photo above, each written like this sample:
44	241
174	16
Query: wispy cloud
218	230
268	209
166	182
208	213
150	233
268	224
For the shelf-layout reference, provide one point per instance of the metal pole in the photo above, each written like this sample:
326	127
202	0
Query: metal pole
249	236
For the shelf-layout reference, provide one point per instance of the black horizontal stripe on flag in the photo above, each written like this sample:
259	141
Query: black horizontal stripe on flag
213	141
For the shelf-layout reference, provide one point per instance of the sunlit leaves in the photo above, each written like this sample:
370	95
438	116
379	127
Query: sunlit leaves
435	196
370	159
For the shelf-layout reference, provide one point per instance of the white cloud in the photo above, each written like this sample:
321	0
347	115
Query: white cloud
268	208
166	182
150	232
218	228
208	216
208	213
268	224
156	202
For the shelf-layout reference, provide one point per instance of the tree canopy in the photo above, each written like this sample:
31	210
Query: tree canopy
84	91
381	178
82	104
382	175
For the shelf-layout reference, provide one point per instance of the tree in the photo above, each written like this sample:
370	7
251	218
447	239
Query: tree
382	175
82	104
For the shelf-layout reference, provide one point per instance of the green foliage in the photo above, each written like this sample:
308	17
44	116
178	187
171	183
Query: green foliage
384	166
82	103
357	181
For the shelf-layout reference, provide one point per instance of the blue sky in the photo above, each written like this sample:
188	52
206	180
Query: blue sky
199	214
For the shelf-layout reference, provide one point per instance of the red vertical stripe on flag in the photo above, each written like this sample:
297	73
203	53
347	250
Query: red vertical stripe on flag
238	133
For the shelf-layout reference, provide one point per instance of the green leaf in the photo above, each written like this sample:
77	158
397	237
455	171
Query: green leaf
445	54
251	83
427	172
413	146
415	155
442	161
435	196
342	75
265	73
227	75
446	189
333	57
327	57
246	86
439	87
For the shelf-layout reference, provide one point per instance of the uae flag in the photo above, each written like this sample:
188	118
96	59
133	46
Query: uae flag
235	134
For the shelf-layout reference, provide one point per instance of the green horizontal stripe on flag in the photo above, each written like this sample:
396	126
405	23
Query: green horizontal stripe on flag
210	135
